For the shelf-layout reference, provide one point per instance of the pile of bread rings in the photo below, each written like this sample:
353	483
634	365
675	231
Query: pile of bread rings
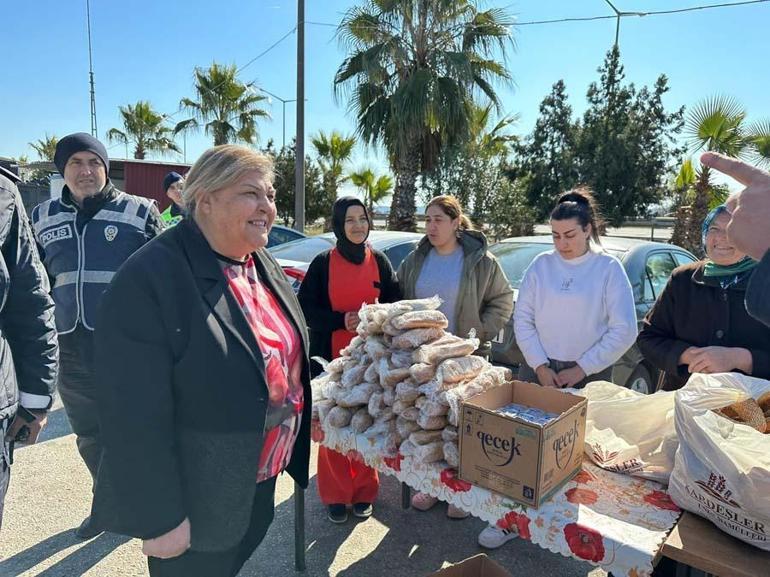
751	412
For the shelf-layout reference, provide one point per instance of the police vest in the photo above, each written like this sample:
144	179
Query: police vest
170	219
82	264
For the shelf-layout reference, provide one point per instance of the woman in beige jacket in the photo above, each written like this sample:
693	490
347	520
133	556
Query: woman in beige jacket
452	261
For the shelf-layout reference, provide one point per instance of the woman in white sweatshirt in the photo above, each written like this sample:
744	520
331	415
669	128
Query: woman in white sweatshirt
575	315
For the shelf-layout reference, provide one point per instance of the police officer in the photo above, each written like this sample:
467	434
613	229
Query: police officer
84	237
28	345
172	186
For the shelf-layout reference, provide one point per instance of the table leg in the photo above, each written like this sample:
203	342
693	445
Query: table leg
406	496
299	528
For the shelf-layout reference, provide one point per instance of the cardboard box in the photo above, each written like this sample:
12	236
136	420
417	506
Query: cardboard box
521	460
478	566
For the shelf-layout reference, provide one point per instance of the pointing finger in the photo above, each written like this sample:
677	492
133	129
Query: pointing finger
739	170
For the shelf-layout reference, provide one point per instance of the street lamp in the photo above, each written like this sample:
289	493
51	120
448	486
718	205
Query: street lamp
283	113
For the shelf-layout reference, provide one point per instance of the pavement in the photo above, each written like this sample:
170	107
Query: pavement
50	495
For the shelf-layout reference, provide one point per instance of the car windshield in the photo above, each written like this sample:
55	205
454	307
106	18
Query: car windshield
515	257
303	250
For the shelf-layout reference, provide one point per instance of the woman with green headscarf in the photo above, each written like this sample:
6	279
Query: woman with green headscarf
699	323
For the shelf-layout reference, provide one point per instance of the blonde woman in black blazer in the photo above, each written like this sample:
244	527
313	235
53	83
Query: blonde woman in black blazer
199	412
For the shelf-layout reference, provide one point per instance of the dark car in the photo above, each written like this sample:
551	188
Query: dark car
295	257
281	235
648	265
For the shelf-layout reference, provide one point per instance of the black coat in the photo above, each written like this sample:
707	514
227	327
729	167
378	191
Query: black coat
183	395
29	350
693	310
314	298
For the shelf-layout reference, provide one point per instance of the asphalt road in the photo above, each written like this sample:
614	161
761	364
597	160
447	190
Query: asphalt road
50	494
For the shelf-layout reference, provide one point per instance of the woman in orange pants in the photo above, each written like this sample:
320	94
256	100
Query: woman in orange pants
337	283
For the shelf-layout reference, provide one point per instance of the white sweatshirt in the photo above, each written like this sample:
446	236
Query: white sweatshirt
575	310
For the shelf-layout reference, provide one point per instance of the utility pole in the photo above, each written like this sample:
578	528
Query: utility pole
299	174
618	15
94	131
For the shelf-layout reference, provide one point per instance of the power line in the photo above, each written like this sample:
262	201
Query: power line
603	17
243	67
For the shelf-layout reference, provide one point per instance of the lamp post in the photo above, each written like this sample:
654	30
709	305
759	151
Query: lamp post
283	113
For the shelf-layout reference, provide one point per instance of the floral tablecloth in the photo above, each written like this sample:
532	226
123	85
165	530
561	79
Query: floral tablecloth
616	522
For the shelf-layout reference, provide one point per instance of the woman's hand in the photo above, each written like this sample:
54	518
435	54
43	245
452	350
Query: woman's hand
572	376
351	321
169	545
547	376
720	360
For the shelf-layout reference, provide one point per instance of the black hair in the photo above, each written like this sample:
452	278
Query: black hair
579	203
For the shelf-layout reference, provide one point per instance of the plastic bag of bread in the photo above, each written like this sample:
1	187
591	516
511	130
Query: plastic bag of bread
431	423
407	448
375	347
405	306
361	420
376	404
434	353
355	346
358	395
432	407
411	414
380	428
449	434
420	319
337	366
386	415
394	376
322	386
405	427
372	373
452	454
401	359
338	417
389	396
407	392
401	406
413	338
429	453
321	408
490	378
389	329
353	376
422	372
425	437
460	369
720	461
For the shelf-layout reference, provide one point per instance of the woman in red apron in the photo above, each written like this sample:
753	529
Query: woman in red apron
337	283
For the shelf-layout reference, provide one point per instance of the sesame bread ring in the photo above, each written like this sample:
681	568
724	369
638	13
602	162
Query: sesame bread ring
750	413
764	403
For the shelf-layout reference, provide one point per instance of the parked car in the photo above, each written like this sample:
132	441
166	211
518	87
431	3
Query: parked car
282	234
648	265
295	256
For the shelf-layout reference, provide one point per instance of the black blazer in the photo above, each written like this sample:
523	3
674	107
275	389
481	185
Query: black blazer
314	298
182	394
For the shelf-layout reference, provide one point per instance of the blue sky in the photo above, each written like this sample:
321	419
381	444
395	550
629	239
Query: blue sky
146	49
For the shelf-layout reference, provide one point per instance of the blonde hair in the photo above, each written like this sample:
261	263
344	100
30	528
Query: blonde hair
450	206
220	167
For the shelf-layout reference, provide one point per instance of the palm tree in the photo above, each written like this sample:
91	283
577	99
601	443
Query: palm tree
333	151
374	188
45	148
716	124
229	108
413	69
145	128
